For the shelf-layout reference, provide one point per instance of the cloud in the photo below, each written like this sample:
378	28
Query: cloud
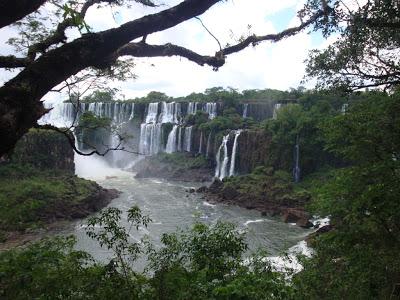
278	65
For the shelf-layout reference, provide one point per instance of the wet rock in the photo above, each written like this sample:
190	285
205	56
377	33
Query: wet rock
215	186
298	216
202	189
191	190
229	193
304	223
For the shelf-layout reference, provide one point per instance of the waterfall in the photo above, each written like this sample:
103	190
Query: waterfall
245	108
211	109
344	108
277	106
132	114
208	144
233	157
179	139
296	168
187	141
171	143
222	165
150	138
152	113
192	108
201	143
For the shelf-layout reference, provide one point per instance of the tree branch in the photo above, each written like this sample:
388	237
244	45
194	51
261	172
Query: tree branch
14	10
254	39
145	50
141	49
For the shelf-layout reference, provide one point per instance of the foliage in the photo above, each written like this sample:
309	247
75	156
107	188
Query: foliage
31	197
93	132
365	52
204	262
360	258
302	122
264	184
52	269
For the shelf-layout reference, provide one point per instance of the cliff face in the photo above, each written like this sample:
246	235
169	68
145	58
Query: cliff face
253	150
45	149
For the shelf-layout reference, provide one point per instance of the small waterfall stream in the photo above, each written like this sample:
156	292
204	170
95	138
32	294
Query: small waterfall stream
245	108
201	143
187	139
222	163
171	142
234	150
296	168
208	144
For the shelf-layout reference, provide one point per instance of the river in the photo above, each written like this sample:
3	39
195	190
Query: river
172	207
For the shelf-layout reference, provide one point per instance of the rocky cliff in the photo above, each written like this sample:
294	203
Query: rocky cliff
44	149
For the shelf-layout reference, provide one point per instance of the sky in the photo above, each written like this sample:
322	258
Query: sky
268	65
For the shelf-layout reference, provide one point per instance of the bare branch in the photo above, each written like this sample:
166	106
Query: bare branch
254	39
71	140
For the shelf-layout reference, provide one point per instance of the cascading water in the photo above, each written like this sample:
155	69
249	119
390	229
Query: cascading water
170	112
150	139
211	109
208	144
296	168
179	149
277	107
222	164
187	141
171	143
201	143
245	109
152	112
192	108
234	150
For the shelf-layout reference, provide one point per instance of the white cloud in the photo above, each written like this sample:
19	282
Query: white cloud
278	65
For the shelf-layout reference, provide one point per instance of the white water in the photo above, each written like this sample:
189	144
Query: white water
170	112
221	169
245	108
234	150
171	143
201	143
208	144
187	139
152	113
150	139
211	109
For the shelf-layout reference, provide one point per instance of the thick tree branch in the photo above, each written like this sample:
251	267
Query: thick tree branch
145	50
141	49
14	10
20	105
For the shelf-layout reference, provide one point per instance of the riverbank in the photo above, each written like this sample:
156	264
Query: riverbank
32	200
270	192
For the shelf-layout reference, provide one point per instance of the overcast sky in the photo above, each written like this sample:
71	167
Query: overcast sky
277	66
